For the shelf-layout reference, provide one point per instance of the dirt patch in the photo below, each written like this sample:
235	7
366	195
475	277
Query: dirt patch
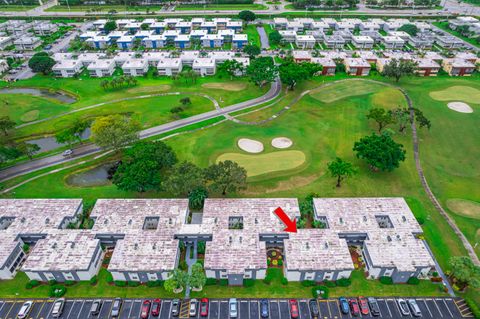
282	142
226	86
464	207
460	107
150	89
30	116
250	146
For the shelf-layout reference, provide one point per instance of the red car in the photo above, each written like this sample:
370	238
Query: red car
363	303
145	309
354	308
156	307
204	307
293	308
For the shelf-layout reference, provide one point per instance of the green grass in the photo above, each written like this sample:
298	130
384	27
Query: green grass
360	286
457	93
266	163
444	26
252	33
15	7
269	29
199	7
102	8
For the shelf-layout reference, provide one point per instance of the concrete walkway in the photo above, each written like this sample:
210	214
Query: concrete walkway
190	262
265	44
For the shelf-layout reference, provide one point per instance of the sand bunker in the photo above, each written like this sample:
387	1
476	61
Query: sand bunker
460	107
250	146
282	142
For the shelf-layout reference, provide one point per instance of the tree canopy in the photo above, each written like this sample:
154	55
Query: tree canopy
184	178
398	68
409	28
197	277
262	70
232	67
275	37
381	117
225	177
6	124
465	271
114	131
143	166
41	62
381	152
110	26
341	170
251	50
247	15
292	73
178	279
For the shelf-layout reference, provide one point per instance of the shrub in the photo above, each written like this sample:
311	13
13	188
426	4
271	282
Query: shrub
152	284
223	282
183	265
320	292
52	282
284	281
57	291
94	280
330	284
32	284
120	283
421	220
435	274
70	282
211	281
473	307
386	280
413	281
248	282
109	278
267	280
133	283
344	282
280	262
308	283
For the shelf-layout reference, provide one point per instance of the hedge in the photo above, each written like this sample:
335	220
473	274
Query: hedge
133	283
344	282
413	281
308	283
52	282
473	307
211	282
284	281
223	282
154	283
94	280
57	291
70	282
248	282
330	284
32	284
386	280
120	283
317	289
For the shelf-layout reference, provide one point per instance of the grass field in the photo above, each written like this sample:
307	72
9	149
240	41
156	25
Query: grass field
102	8
466	94
266	163
252	33
464	207
15	8
199	7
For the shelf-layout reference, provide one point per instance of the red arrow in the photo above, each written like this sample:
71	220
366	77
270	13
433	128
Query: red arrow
291	224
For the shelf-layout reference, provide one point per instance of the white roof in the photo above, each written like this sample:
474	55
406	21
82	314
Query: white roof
101	64
135	64
203	62
362	38
67	65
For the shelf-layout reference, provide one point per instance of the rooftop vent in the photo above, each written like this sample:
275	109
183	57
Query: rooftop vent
23	220
47	221
135	246
72	245
326	245
341	220
389	238
129	221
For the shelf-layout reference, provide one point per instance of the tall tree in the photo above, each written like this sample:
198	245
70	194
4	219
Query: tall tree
226	177
196	198
421	119
262	70
197	278
398	68
178	280
6	124
251	50
382	117
41	62
110	26
144	166
401	116
65	137
184	178
464	271
275	37
114	131
381	152
232	68
341	170
292	73
247	15
28	149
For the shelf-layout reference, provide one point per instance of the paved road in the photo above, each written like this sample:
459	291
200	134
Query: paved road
88	149
263	38
431	308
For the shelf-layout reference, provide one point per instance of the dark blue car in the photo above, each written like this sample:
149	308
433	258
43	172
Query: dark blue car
344	307
264	308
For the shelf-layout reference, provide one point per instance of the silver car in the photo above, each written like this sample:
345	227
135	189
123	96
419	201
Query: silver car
414	308
25	310
193	307
57	308
403	306
233	308
117	304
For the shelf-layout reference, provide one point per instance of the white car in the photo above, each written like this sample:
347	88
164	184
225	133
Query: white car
25	310
58	307
193	307
233	308
67	153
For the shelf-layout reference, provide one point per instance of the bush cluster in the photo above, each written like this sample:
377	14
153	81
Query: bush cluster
248	282
211	282
413	281
223	282
133	283
284	281
386	280
57	291
32	284
320	292
94	280
70	282
308	283
330	284
155	283
120	283
344	282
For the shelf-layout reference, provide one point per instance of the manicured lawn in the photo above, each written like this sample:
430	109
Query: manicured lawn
253	36
15	8
199	7
103	8
444	26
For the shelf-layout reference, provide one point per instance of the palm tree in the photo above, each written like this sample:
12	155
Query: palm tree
104	84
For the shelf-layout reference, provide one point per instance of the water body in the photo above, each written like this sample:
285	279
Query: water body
60	96
49	143
96	176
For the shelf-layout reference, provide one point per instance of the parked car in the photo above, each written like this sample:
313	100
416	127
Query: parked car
233	307
47	47
25	310
204	307
374	307
344	307
96	306
264	308
363	303
175	307
117	305
155	311
67	153
145	309
414	308
57	308
402	304
193	307
314	311
293	308
354	308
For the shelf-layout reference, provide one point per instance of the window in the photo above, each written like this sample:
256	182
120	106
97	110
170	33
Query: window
151	223
235	223
384	221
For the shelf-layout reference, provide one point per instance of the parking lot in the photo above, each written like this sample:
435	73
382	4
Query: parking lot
434	308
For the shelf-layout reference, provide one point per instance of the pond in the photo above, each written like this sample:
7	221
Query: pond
96	176
49	143
60	96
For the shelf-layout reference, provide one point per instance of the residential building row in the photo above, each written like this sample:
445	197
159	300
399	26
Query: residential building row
359	63
136	64
145	235
473	24
24	34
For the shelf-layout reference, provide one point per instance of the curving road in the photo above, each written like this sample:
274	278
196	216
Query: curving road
88	149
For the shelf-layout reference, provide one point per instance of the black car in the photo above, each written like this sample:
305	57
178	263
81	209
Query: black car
175	307
314	308
374	307
264	312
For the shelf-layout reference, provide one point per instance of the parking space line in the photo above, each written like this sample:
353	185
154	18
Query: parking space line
80	311
428	308
8	313
438	308
43	305
446	306
388	308
130	312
